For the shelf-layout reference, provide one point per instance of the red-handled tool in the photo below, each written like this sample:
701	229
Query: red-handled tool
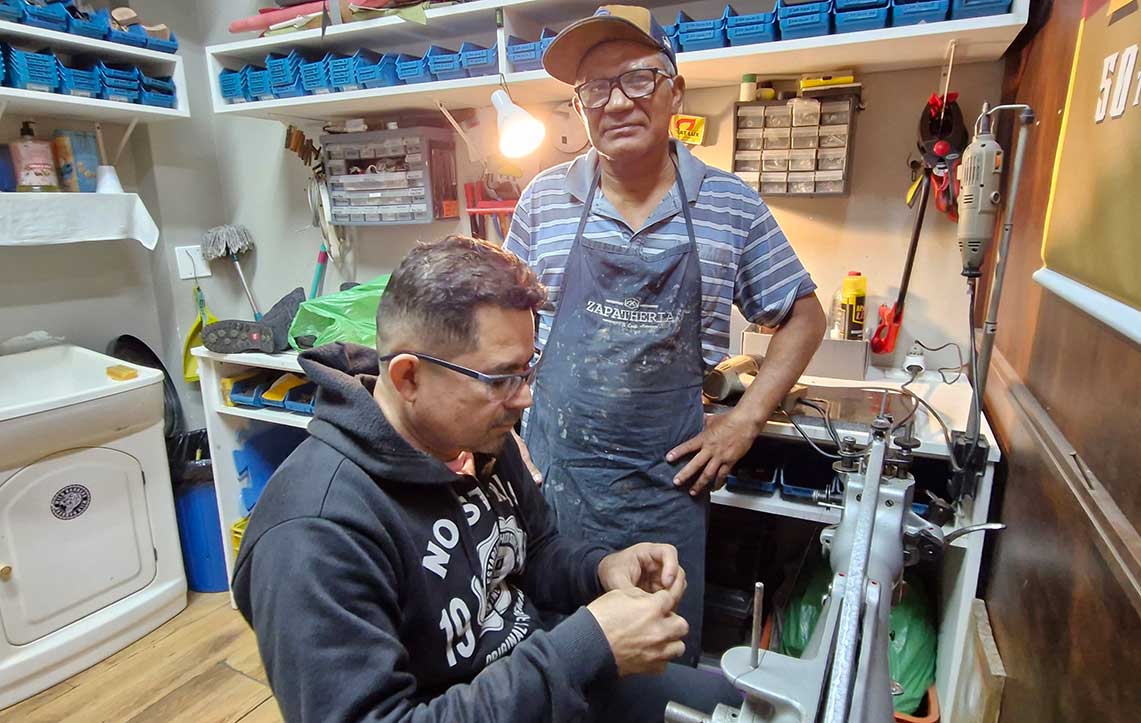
891	317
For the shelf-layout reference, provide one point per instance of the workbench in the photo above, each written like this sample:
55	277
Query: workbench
227	427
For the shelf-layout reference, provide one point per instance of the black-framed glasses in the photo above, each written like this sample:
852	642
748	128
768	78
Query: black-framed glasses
635	84
501	387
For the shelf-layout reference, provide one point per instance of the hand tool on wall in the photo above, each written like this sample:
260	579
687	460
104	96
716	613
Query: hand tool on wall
230	241
891	317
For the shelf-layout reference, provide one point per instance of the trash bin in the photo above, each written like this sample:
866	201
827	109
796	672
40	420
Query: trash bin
196	506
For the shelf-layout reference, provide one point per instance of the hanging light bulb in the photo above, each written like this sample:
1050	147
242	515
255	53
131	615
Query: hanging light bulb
519	132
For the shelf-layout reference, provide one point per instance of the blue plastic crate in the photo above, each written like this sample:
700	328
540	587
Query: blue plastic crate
701	39
119	94
379	75
120	71
83	83
412	69
159	100
233	84
12	10
853	21
686	24
315	75
163	46
284	69
110	82
842	5
53	16
444	64
478	60
961	9
344	71
528	55
97	25
300	399
43	61
296	89
812	8
128	37
749	34
807	25
161	85
732	19
258	83
913	13
20	79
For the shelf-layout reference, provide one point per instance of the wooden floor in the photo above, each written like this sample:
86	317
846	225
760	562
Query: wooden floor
201	667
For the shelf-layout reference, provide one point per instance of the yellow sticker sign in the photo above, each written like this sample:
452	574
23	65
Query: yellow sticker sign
688	128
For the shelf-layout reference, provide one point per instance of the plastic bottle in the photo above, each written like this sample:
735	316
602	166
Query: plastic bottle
836	315
748	88
854	292
33	162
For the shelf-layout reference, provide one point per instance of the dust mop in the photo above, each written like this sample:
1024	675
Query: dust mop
231	240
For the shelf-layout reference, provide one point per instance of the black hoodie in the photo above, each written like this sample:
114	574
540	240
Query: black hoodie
384	587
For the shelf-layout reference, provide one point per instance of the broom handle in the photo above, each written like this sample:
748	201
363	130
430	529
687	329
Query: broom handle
246	286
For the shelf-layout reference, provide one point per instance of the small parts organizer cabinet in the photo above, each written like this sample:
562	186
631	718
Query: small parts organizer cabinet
798	147
390	177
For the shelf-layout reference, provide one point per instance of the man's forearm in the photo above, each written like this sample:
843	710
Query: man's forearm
788	354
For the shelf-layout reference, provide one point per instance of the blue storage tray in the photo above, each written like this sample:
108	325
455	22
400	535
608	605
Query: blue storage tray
813	8
53	16
161	85
283	69
749	34
120	94
750	486
315	75
122	71
686	24
913	13
258	84
379	75
732	19
233	82
96	26
12	11
701	39
163	46
344	71
961	9
126	37
806	26
412	69
43	61
444	63
296	89
83	83
23	81
860	4
528	55
160	100
853	21
119	83
478	60
301	399
247	392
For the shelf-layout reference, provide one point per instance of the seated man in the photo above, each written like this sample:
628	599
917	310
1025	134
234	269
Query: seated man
396	564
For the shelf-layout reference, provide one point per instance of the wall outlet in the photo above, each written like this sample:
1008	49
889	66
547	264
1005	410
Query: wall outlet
191	262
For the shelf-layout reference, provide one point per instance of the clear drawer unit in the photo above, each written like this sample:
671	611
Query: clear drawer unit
391	177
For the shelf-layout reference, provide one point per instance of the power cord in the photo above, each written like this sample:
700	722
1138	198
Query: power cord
943	370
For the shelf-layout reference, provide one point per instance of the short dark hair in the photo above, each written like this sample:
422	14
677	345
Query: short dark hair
433	295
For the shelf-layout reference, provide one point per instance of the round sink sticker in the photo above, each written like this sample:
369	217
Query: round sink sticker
71	502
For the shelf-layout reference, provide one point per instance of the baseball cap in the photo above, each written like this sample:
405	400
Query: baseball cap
609	22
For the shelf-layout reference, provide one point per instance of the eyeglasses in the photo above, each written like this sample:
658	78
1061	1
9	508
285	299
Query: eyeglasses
500	386
635	84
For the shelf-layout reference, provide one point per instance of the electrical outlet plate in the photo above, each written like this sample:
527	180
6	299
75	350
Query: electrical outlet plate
191	262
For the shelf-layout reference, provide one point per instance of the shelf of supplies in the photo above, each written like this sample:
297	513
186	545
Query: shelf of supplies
775	504
895	48
270	416
55	105
79	45
286	361
46	219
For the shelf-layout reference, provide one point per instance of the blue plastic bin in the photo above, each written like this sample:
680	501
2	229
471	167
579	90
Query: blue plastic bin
693	35
97	25
913	13
806	25
121	95
961	9
82	83
477	60
12	10
411	69
444	64
300	399
315	75
842	5
258	84
163	46
129	36
31	71
233	84
160	85
344	71
686	24
379	75
159	100
196	509
526	54
259	457
284	69
749	29
53	16
853	21
812	8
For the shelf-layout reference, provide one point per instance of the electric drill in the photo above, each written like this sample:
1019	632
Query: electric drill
979	176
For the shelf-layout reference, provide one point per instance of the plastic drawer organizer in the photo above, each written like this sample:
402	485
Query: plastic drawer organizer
383	178
795	147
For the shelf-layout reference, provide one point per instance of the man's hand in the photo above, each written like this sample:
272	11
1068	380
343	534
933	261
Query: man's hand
526	455
725	439
643	630
648	566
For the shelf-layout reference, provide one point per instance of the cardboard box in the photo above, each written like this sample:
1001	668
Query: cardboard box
836	358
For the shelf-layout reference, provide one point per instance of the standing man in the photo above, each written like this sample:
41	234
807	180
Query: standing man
644	249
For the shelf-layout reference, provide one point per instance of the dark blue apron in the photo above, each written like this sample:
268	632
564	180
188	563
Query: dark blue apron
618	387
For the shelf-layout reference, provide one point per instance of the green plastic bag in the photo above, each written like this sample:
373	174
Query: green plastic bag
345	316
912	647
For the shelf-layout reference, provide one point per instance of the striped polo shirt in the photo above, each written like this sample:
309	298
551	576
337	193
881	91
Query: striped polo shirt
745	258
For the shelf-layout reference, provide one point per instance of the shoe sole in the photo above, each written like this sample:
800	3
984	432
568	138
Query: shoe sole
234	337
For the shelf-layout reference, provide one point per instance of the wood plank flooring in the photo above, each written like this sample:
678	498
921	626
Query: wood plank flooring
201	667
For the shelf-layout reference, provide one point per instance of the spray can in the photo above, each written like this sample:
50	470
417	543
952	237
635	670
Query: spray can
853	294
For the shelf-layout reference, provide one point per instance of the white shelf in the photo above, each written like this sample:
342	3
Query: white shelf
79	44
915	46
15	101
775	504
286	361
270	416
45	219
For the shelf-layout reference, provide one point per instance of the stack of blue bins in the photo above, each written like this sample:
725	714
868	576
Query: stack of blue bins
478	60
315	77
412	69
259	84
526	54
234	84
444	64
804	20
79	82
344	71
856	15
913	12
122	83
32	71
12	10
52	16
96	25
285	74
157	92
381	74
699	34
750	29
961	9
